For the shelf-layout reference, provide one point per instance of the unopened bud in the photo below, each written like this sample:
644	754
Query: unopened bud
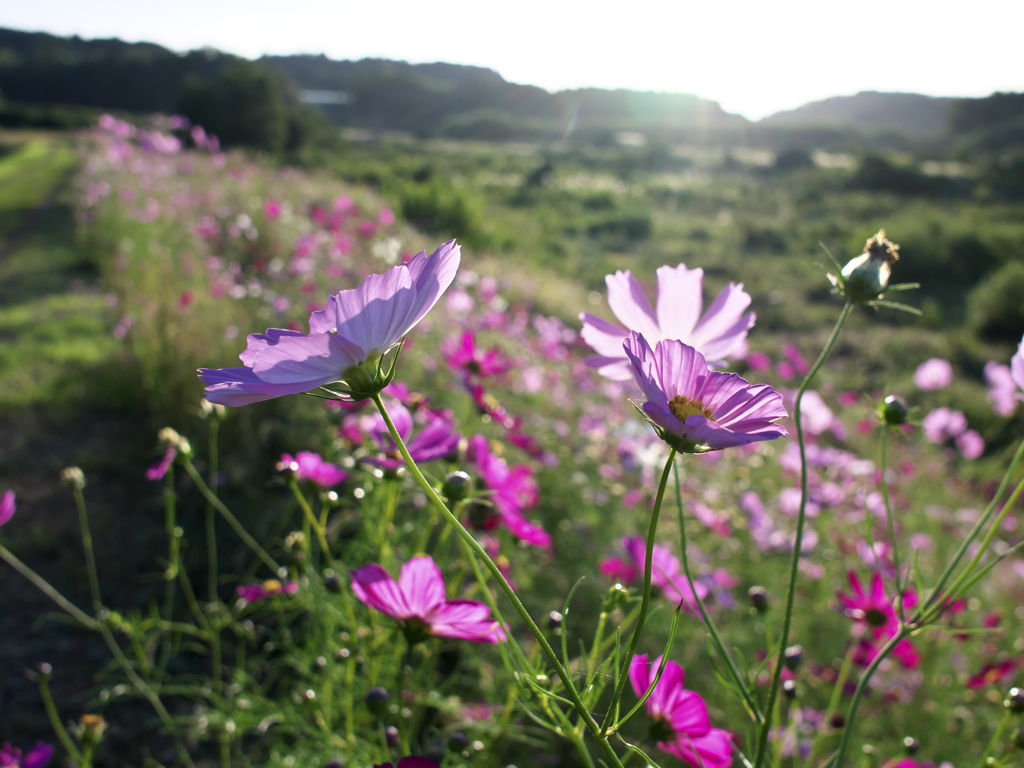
90	729
457	486
554	620
838	720
286	468
758	598
391	736
377	701
893	411
792	657
295	542
789	689
332	583
319	663
45	671
911	744
207	409
334	763
73	477
171	439
615	596
1014	700
866	277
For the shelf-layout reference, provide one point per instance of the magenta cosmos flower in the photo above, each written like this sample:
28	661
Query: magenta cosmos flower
695	408
435	440
681	724
40	755
467	357
875	610
345	341
666	570
7	507
721	333
253	593
311	466
512	491
417	601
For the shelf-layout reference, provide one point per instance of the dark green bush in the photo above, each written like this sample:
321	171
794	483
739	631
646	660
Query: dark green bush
995	306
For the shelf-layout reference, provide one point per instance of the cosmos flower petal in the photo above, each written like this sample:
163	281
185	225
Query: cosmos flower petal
713	750
1017	366
40	756
640	674
604	337
314	360
7	507
375	587
422	585
679	300
466	620
629	304
235	387
724	314
257	342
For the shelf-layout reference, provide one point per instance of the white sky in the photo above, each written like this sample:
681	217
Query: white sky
754	58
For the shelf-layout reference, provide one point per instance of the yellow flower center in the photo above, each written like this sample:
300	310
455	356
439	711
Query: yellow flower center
272	585
682	407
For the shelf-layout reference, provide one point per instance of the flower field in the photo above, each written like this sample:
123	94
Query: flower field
439	502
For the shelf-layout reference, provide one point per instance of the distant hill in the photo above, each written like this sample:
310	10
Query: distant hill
870	111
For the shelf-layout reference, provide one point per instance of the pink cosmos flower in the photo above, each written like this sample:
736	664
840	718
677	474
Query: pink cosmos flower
696	407
1002	390
40	756
681	721
311	466
942	424
759	361
992	674
472	360
253	593
666	571
358	326
876	611
721	333
933	374
158	470
7	507
434	441
272	209
512	490
417	601
970	444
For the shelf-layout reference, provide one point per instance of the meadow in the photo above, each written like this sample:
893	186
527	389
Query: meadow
219	612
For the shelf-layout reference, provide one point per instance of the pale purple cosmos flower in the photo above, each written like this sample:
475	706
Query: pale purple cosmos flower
933	374
681	723
696	408
942	424
359	326
970	444
666	575
311	466
253	593
7	507
158	470
1017	366
1003	394
417	601
435	440
721	333
512	491
40	755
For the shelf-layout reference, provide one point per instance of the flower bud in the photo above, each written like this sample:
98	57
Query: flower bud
458	741
391	736
911	744
295	545
171	439
333	763
1015	700
319	663
792	657
73	477
457	486
615	596
554	620
789	689
758	598
866	277
90	729
892	411
377	701
286	468
45	671
332	583
838	720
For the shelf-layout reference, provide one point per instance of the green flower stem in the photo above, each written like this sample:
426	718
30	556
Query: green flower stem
226	513
862	684
954	590
741	681
995	738
44	586
645	603
787	621
101	624
892	525
212	572
313	522
54	715
473	544
937	591
173	544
